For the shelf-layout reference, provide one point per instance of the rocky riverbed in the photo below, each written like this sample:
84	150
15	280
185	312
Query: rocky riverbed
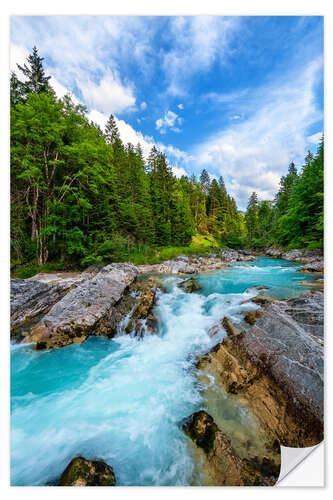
268	364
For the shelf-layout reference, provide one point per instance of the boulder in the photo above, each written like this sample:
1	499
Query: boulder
190	285
275	370
229	255
221	463
87	310
273	252
316	266
288	337
142	318
32	298
82	472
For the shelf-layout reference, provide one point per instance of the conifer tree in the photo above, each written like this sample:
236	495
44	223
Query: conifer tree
36	80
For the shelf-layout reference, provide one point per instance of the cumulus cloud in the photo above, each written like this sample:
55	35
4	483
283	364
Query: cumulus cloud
178	171
109	95
143	106
180	106
169	120
252	154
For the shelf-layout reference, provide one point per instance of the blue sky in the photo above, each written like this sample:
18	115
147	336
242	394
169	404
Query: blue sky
239	96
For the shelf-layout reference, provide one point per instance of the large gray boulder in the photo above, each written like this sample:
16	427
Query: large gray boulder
86	310
31	298
273	252
229	255
287	338
316	266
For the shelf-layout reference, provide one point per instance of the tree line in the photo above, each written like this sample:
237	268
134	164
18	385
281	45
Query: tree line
295	218
79	195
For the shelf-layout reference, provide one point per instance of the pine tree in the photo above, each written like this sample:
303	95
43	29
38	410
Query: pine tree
36	80
204	181
111	131
251	217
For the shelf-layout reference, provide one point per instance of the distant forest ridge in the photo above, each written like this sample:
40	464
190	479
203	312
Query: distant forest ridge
80	196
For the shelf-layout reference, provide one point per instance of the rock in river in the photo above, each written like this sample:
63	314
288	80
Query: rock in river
31	298
86	310
82	472
190	285
221	464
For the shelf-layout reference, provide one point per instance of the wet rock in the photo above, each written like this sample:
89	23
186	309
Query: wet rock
273	252
142	319
294	356
229	327
308	311
316	266
222	465
275	370
190	285
252	316
31	298
87	310
146	301
82	472
262	300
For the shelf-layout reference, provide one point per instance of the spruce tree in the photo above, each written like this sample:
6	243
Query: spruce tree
36	80
111	131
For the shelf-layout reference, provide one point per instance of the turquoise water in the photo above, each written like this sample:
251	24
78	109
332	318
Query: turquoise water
122	400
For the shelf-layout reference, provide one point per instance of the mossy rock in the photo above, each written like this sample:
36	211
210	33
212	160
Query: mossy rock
82	472
252	316
262	300
189	286
229	327
201	428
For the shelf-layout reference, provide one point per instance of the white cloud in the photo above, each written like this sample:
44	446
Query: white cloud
197	42
180	106
169	120
252	154
178	171
18	55
109	95
315	138
143	106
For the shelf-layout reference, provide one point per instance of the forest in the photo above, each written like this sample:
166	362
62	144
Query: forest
80	196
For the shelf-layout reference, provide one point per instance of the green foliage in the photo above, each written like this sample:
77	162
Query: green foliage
296	217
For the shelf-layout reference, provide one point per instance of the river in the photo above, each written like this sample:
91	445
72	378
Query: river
122	400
